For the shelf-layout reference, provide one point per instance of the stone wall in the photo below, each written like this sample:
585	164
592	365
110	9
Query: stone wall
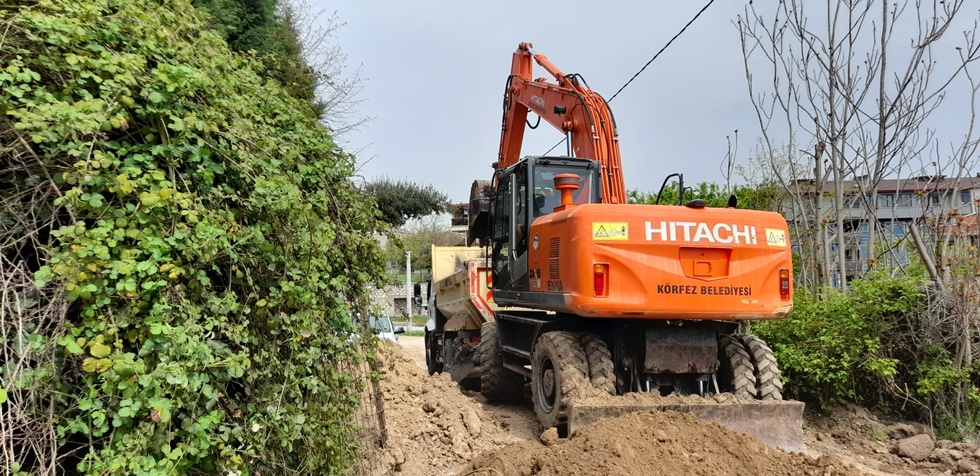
390	300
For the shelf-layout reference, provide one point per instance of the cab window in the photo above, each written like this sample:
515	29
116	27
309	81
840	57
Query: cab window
546	198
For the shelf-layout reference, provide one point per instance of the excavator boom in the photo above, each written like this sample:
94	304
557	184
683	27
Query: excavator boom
571	107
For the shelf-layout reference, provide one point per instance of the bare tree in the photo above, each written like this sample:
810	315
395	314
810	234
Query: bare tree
841	79
865	81
418	235
338	87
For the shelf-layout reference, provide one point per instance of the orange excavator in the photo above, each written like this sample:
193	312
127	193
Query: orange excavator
584	297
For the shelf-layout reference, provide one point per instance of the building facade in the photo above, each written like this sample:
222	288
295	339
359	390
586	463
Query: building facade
899	202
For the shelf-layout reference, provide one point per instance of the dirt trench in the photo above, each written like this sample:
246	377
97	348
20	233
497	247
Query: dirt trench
437	428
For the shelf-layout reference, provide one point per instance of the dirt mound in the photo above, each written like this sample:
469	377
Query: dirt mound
662	443
433	425
436	428
879	444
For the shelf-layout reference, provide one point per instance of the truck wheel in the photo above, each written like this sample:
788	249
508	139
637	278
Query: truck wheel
496	381
558	368
601	370
432	364
768	380
736	373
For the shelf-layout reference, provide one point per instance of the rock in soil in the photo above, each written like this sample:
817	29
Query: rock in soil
916	448
966	467
901	430
550	436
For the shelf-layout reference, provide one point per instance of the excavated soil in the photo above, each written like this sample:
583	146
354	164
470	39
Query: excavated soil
881	445
662	443
434	426
437	428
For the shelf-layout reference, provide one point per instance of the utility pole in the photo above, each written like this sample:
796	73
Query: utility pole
408	287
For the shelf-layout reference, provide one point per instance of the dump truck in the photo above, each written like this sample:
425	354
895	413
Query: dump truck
567	289
460	284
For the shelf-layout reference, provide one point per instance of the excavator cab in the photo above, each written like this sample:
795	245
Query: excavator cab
521	194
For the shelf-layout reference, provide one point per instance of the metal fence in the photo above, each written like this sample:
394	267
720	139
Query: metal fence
370	414
28	438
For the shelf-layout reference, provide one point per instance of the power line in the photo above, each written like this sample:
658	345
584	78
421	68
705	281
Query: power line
662	49
556	145
679	33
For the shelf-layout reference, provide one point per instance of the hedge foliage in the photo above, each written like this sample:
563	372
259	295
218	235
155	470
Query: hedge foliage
888	342
762	196
840	347
210	242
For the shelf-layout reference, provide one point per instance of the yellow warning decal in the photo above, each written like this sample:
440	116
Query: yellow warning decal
610	230
775	237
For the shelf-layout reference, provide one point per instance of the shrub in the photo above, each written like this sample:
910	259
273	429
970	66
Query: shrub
844	346
206	234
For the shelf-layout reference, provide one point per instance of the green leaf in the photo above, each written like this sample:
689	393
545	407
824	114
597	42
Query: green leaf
155	97
42	276
100	350
73	348
3	395
89	365
149	199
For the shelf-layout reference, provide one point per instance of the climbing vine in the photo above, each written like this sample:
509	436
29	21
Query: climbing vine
206	235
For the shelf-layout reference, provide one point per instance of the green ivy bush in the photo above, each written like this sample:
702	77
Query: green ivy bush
884	343
847	346
210	244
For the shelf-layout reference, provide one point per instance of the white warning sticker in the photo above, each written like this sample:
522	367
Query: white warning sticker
775	237
610	230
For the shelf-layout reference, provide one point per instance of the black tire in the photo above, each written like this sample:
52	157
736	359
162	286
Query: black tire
768	379
736	373
497	383
602	374
559	368
432	364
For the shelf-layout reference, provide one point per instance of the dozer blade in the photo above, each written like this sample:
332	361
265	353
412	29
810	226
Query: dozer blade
462	369
777	423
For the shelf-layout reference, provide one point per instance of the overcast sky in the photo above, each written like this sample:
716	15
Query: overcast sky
435	74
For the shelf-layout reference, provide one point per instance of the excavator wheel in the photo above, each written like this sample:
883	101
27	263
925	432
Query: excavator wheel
736	373
559	367
768	380
601	370
432	364
496	382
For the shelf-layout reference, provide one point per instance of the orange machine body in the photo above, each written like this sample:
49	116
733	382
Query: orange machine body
592	292
661	262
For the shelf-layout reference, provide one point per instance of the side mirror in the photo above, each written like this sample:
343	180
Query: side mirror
732	202
478	227
417	297
399	330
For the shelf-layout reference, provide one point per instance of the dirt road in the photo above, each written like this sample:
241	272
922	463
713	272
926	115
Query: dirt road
438	428
415	347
